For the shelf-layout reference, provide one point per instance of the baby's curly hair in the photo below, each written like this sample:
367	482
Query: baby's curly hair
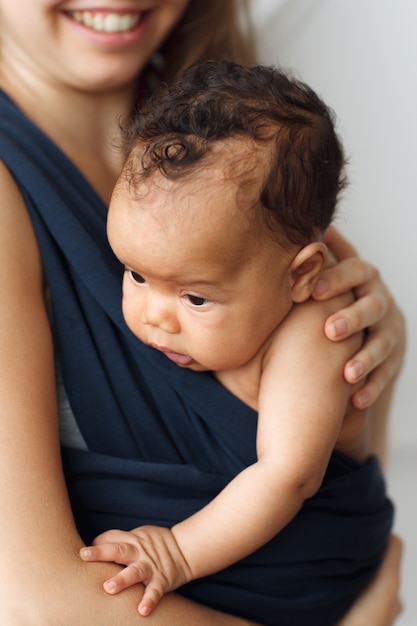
176	130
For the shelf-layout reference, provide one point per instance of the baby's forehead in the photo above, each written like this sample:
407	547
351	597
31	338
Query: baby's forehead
241	158
236	166
232	173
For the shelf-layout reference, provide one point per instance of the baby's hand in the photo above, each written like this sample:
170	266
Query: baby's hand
151	556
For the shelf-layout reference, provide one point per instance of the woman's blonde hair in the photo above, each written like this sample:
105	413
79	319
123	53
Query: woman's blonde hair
208	30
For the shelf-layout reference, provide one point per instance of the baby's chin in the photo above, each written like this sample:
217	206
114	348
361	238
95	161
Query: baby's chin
197	367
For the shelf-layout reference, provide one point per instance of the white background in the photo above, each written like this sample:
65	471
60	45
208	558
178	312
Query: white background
361	57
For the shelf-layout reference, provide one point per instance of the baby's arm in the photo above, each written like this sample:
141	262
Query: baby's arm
302	402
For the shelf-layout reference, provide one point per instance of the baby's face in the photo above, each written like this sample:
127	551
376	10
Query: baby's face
203	284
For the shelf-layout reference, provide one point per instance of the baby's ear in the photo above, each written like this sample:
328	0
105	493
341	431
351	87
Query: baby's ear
306	269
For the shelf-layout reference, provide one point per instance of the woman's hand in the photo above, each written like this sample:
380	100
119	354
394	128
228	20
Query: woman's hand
379	604
375	310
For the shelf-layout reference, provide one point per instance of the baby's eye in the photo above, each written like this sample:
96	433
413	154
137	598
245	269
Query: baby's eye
137	277
196	300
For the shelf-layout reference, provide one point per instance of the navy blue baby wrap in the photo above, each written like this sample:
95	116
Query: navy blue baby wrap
163	441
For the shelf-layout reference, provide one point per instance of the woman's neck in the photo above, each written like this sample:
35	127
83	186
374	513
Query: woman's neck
85	126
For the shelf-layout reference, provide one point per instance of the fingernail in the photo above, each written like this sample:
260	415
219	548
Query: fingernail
338	328
84	553
321	287
354	371
362	399
109	586
144	610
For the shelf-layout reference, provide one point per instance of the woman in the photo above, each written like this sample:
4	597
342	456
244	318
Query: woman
73	68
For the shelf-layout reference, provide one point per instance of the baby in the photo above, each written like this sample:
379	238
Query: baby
231	178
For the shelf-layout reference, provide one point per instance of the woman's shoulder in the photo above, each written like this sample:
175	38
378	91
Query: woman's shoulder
17	239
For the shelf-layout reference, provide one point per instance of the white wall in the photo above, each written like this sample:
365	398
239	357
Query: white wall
361	57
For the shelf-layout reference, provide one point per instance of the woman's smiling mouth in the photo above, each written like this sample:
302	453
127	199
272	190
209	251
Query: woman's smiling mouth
106	22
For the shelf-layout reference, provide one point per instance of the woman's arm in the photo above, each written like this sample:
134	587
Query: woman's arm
45	583
379	361
379	603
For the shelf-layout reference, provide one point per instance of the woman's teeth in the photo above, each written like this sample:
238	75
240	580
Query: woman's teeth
106	22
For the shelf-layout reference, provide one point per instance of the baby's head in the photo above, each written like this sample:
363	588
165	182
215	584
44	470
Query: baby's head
282	148
230	179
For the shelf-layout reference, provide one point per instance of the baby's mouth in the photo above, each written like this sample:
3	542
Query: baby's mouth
179	359
106	22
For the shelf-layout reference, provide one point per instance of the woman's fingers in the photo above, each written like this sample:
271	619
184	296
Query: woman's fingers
362	314
375	310
340	247
347	275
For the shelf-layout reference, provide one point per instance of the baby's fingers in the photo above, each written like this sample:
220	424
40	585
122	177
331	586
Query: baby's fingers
124	554
119	552
154	591
131	575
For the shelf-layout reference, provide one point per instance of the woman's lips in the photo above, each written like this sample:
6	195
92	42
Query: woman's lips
110	28
106	22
